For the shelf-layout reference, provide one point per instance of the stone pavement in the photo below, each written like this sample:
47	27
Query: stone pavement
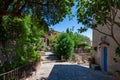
51	69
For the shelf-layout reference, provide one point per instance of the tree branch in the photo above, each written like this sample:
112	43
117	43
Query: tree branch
114	11
37	3
117	23
107	25
7	3
102	32
113	37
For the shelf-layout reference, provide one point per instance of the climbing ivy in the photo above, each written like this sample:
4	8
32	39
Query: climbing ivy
27	37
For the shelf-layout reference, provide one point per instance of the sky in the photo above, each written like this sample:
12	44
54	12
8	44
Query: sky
67	23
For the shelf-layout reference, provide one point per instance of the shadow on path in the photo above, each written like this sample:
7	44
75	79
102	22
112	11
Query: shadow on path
52	57
49	56
76	72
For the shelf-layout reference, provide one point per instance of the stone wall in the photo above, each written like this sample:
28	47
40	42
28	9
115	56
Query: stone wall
81	50
112	65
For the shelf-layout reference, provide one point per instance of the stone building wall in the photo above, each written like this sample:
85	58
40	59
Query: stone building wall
111	64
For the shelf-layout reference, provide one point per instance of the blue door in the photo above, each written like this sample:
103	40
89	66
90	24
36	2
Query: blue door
104	60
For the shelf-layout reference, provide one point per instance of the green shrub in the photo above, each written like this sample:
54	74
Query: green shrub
27	37
64	46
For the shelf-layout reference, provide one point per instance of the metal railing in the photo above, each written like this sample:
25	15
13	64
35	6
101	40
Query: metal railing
17	73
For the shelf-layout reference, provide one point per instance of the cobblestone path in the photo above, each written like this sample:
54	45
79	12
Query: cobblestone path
51	69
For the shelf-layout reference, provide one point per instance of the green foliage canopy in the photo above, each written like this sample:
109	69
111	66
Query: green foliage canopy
98	11
81	39
51	11
78	38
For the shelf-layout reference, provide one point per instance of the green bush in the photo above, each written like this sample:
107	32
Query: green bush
27	37
64	46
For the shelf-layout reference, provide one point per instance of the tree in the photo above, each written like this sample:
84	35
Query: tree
53	39
25	41
93	13
44	12
51	11
64	46
77	38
